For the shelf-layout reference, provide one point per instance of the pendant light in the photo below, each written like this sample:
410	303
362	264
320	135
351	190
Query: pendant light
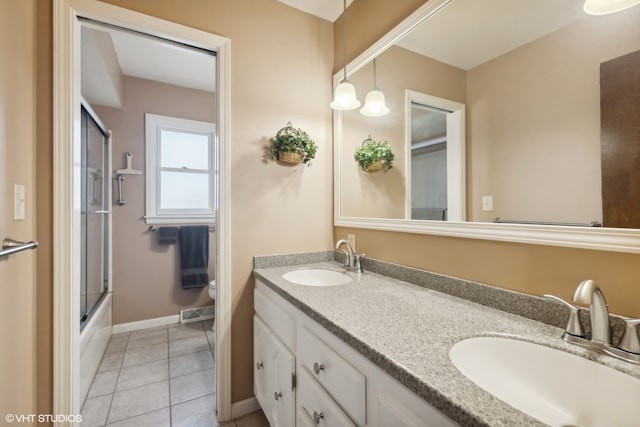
374	104
604	7
345	95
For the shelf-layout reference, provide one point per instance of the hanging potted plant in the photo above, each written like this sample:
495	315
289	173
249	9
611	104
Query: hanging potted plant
293	146
374	155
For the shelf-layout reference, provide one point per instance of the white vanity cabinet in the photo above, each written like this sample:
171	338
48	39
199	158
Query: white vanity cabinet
334	385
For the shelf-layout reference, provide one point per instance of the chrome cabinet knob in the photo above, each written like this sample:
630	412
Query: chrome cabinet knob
277	395
259	365
317	417
630	341
317	368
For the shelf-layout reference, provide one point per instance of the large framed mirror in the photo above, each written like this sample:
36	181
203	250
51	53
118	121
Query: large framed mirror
548	101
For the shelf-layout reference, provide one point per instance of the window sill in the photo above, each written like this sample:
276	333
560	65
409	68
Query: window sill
157	220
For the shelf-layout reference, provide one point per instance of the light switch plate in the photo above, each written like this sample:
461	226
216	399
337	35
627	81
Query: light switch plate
18	202
487	203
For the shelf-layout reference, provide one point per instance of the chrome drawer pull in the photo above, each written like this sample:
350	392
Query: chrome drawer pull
317	368
317	417
277	395
259	365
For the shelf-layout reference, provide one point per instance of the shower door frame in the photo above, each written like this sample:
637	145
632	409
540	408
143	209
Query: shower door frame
66	175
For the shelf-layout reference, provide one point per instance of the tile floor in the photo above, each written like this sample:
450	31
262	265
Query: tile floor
162	376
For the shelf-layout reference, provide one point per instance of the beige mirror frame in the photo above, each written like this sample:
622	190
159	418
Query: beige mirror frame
607	239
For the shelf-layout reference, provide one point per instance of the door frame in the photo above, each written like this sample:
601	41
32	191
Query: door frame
66	206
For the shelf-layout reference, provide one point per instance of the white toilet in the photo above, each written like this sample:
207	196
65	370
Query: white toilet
212	295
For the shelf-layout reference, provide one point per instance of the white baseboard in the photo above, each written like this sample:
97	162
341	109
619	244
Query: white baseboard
149	323
244	407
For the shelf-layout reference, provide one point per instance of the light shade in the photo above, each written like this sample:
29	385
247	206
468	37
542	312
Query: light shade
604	7
374	104
345	97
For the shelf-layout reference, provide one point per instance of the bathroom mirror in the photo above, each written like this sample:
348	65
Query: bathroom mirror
528	74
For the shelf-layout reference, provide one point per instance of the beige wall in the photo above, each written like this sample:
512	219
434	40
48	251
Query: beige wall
18	294
146	275
280	71
381	194
534	123
532	269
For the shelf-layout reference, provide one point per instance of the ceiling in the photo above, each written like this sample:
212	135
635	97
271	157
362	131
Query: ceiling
107	51
329	10
467	33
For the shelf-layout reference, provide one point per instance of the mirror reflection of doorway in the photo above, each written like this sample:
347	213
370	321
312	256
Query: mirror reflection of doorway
428	162
435	159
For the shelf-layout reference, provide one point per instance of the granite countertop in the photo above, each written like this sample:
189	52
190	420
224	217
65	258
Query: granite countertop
408	330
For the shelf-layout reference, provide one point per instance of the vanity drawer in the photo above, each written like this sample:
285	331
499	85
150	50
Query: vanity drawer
315	406
279	321
345	383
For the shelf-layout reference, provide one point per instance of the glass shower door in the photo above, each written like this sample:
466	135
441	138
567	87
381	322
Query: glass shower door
95	205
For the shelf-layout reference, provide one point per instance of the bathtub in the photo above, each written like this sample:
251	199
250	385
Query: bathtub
94	338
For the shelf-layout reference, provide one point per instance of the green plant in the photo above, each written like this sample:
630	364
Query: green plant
373	151
291	140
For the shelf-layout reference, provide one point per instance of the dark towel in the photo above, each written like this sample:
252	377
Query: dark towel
167	235
194	256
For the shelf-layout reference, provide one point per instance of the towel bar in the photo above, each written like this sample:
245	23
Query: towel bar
154	228
10	246
568	224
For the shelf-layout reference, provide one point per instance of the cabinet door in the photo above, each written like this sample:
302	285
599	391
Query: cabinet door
283	367
261	364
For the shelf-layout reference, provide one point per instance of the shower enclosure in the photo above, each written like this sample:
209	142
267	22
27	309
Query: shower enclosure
95	211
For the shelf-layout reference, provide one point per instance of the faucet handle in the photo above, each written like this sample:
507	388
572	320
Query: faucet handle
357	266
574	326
630	341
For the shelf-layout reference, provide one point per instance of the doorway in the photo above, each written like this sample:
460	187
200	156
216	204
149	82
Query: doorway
67	271
435	158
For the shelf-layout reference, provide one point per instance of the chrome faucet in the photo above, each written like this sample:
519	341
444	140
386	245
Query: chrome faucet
348	262
588	292
352	260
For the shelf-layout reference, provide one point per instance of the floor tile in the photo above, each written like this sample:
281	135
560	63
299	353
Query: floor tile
257	419
143	339
94	411
200	412
150	353
139	400
111	361
185	330
188	345
189	363
117	343
159	418
145	373
103	383
193	385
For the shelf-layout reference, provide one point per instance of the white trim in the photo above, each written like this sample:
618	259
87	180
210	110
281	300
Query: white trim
148	323
456	185
603	239
66	209
244	407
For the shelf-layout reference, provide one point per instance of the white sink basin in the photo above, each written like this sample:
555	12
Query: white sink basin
317	277
557	388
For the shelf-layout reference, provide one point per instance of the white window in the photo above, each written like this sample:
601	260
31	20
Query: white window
180	178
